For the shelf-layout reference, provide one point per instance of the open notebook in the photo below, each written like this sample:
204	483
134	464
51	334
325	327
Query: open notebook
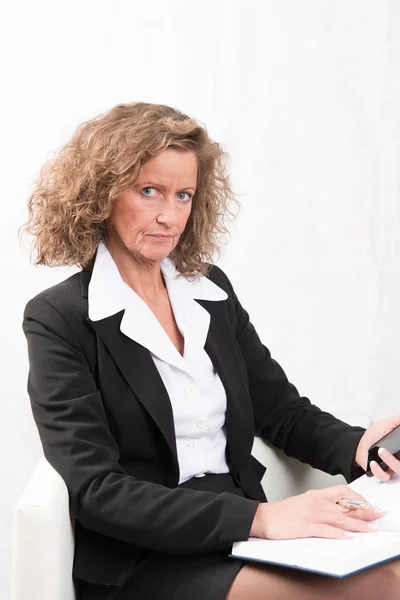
338	558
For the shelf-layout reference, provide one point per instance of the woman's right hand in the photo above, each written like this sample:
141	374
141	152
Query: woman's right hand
313	514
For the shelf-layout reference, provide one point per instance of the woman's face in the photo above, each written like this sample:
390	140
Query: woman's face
149	217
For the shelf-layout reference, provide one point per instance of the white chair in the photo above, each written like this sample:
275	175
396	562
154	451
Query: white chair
43	537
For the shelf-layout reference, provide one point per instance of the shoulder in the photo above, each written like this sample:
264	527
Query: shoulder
70	287
66	298
219	277
237	314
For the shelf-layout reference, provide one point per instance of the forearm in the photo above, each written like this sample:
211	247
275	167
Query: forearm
178	520
315	437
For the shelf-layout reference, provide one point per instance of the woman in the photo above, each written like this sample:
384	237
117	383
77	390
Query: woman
148	382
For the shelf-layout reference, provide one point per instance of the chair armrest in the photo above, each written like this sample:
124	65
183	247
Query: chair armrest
43	539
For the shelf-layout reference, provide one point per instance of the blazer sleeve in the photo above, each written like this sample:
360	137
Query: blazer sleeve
77	442
283	417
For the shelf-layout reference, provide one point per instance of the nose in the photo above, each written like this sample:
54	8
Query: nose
167	213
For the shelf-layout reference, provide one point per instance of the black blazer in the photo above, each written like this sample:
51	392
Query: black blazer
106	425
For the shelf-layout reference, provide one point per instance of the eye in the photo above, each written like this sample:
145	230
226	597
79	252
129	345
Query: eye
145	191
188	196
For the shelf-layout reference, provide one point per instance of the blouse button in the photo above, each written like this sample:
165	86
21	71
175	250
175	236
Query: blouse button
189	389
193	444
200	475
200	423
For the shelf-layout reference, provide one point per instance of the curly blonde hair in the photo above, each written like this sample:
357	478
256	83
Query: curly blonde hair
70	207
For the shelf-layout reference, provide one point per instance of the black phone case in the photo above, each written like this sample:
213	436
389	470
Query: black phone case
391	442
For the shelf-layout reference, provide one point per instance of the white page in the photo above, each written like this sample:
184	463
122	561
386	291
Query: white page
384	495
338	557
335	557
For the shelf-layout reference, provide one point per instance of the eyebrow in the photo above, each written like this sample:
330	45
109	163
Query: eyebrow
161	186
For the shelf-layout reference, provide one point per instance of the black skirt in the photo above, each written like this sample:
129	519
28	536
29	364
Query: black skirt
174	576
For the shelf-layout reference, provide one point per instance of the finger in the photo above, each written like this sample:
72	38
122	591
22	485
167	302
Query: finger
328	531
335	492
378	472
338	492
347	522
365	514
393	421
392	462
368	514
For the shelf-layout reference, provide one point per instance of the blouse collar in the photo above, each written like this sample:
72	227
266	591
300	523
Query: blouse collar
108	294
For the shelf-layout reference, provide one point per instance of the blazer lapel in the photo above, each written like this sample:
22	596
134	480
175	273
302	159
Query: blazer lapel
138	368
223	353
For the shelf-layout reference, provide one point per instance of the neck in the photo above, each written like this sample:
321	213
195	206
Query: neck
142	275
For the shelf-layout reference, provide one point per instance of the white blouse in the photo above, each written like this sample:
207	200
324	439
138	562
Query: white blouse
195	390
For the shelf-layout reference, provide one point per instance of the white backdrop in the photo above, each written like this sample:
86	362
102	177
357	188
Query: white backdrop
305	96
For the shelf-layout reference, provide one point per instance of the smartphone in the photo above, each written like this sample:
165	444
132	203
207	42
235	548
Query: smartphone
391	442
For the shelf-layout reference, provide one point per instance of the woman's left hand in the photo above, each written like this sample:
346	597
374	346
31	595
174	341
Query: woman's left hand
373	434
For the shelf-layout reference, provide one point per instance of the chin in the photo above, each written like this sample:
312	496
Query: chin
156	256
156	253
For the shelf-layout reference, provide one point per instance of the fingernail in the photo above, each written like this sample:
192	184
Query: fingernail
377	509
348	534
382	450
